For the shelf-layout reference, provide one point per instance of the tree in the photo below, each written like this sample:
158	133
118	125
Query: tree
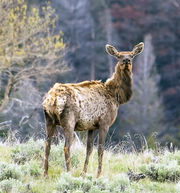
144	113
30	51
87	27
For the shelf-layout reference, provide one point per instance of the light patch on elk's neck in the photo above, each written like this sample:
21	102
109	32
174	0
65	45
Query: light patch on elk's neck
120	84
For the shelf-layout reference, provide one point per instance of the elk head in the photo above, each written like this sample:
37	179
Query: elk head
125	58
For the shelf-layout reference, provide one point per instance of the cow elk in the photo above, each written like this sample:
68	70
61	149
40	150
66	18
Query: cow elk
88	106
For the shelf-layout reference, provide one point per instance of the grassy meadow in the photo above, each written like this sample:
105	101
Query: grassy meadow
21	170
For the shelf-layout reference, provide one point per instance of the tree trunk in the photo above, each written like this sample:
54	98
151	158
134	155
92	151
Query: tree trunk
92	72
108	27
5	100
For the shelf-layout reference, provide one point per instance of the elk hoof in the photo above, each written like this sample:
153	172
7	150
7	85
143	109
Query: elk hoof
98	174
83	174
45	175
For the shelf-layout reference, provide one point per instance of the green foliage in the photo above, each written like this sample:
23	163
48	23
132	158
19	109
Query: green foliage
31	51
162	171
8	171
172	156
166	168
9	185
57	154
27	151
151	141
32	168
120	182
75	160
27	33
3	133
67	183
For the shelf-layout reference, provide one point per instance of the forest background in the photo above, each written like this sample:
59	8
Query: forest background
64	41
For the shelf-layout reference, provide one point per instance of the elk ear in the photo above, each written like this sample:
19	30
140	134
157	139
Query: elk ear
138	49
111	50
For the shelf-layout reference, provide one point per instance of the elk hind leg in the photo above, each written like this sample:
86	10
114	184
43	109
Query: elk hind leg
50	129
69	135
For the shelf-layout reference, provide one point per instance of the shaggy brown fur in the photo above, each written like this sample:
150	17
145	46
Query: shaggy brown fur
89	105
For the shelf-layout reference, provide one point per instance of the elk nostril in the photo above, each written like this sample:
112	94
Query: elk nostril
126	61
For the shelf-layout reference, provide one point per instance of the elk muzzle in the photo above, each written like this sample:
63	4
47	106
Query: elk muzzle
126	61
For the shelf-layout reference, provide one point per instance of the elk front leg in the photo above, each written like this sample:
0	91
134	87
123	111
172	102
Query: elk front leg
88	150
101	142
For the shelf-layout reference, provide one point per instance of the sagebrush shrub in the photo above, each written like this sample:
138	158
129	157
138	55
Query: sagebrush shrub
162	171
75	160
32	168
67	183
9	185
27	151
101	183
8	171
57	154
120	183
177	187
172	156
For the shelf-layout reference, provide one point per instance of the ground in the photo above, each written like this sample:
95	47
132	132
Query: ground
21	170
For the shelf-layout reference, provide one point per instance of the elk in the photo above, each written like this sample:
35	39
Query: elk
88	106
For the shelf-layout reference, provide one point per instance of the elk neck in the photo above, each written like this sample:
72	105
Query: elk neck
120	84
